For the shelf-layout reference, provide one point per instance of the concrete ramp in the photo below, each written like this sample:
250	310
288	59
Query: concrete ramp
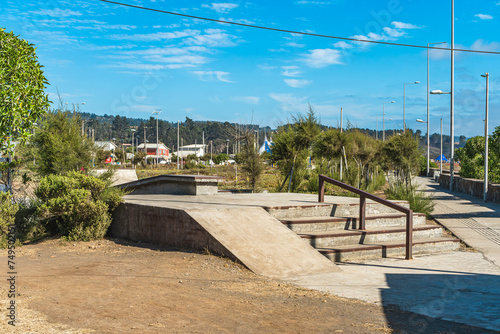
261	242
124	176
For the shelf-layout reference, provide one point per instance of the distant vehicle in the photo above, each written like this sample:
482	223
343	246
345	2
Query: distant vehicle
162	162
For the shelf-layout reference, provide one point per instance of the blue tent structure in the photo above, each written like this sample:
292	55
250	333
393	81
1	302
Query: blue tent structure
266	146
441	157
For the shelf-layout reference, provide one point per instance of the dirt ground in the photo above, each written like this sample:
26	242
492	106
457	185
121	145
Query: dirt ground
113	286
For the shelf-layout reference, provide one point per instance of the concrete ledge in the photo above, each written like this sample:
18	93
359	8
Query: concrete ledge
249	235
175	185
473	187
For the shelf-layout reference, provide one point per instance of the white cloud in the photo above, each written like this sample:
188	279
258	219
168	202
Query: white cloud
221	8
485	46
290	103
295	45
322	57
297	83
212	37
56	12
213	76
484	16
343	45
290	71
155	37
395	33
305	2
247	99
397	30
401	25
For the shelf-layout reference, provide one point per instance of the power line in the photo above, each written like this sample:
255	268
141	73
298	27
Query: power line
296	32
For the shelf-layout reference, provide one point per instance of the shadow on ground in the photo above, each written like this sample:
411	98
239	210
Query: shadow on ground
443	301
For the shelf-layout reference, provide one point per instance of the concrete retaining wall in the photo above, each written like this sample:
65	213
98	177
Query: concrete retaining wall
250	235
471	187
162	226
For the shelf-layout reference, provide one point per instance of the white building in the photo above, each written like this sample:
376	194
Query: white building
105	145
196	149
152	148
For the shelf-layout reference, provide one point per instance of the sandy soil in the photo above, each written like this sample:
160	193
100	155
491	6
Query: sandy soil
113	286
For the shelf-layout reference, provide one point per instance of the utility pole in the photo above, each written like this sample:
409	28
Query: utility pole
341	116
485	189
157	111
178	147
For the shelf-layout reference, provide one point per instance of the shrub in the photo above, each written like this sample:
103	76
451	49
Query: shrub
79	205
419	201
8	211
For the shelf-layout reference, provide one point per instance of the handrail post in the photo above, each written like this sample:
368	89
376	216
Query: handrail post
321	193
362	212
409	235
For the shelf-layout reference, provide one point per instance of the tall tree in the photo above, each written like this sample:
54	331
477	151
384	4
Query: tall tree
22	84
60	147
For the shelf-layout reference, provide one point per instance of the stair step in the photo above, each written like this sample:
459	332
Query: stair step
375	235
325	209
318	224
389	248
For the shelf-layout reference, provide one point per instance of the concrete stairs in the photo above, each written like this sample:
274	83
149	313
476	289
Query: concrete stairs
332	230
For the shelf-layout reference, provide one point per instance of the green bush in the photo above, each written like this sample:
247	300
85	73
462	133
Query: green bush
78	205
29	225
8	211
419	201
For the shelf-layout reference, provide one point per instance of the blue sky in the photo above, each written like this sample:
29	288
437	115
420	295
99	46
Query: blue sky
128	62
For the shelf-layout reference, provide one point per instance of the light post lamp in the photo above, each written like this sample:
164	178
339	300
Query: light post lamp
383	122
428	139
133	131
156	111
452	95
441	150
404	101
421	121
440	92
485	189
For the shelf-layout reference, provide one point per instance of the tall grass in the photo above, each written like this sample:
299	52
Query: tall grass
419	201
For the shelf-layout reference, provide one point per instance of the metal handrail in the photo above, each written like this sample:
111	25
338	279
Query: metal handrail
363	195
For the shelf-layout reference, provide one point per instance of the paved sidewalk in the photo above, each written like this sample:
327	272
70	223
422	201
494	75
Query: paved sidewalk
462	287
475	222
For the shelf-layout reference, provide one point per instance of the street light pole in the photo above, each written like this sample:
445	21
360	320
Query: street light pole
441	151
383	123
485	189
133	155
428	137
178	147
452	93
156	111
404	101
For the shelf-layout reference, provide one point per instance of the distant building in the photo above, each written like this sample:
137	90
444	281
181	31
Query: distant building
196	149
150	150
106	145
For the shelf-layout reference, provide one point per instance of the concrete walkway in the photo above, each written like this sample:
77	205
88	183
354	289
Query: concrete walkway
475	222
462	287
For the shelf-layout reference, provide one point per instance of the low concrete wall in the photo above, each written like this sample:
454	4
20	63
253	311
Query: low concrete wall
162	226
471	187
175	185
250	235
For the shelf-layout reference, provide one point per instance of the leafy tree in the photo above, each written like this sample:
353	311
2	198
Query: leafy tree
22	84
220	158
402	155
60	147
471	158
251	159
293	145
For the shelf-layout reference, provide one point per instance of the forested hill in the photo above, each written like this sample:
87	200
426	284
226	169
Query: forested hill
118	127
